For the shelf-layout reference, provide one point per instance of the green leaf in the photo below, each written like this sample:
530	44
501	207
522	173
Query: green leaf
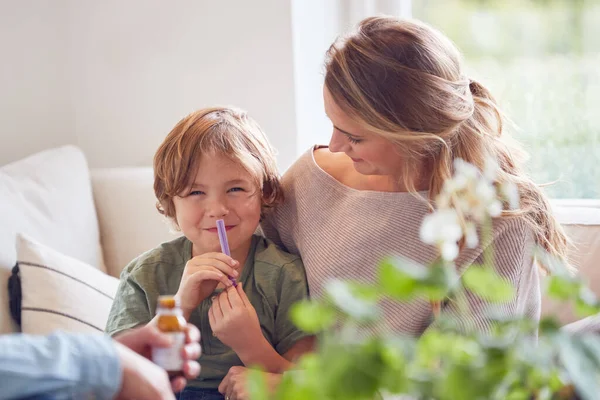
563	288
548	325
581	363
351	303
459	384
257	385
518	394
488	285
555	383
394	378
312	317
586	303
400	278
367	292
306	382
352	371
442	278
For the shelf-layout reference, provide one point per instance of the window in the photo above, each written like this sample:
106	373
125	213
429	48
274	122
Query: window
541	60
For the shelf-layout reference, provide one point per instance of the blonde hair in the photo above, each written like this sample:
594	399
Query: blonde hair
218	130
403	80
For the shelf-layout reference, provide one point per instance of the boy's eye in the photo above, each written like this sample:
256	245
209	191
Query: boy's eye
236	189
196	192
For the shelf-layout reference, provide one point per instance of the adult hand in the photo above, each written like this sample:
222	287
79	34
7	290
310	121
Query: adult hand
201	276
141	379
233	320
234	385
141	340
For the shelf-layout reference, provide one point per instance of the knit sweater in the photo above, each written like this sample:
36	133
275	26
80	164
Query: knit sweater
343	233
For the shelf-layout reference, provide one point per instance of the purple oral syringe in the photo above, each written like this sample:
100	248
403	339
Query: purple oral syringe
224	244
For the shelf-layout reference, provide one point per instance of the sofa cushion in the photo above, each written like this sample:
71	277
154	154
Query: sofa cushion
129	222
49	197
60	292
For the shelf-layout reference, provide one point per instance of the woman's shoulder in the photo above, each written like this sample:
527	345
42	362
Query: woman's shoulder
512	239
513	228
318	159
334	164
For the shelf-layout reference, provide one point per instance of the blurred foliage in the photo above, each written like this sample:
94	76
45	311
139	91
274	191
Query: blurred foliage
449	361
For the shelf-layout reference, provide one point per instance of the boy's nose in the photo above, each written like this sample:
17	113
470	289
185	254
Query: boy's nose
217	209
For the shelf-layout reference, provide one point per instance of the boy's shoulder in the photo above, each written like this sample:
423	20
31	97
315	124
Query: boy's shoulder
278	273
271	263
167	254
268	253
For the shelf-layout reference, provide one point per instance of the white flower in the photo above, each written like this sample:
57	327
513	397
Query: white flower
485	192
465	169
494	209
471	238
490	169
449	251
510	191
467	199
442	228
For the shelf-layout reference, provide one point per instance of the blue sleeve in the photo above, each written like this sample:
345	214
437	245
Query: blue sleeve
62	365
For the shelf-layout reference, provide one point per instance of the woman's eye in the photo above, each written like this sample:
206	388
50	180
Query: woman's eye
354	141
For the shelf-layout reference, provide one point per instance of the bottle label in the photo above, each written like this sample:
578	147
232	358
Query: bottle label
169	358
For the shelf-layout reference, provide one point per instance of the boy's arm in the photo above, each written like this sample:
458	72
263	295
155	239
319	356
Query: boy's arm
270	360
290	341
130	307
234	322
302	346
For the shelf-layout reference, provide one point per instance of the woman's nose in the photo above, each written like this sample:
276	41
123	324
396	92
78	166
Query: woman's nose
337	143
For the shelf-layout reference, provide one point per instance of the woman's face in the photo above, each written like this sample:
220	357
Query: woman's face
371	154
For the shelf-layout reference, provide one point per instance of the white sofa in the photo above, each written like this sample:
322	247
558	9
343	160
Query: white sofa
106	217
103	217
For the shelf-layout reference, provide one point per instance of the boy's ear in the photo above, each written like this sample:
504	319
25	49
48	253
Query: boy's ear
173	225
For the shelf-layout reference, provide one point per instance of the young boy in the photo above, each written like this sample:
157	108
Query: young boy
217	164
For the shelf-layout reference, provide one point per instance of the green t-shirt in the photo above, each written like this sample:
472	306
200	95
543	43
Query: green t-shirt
272	279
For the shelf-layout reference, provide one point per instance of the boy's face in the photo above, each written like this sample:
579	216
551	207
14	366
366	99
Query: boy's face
222	189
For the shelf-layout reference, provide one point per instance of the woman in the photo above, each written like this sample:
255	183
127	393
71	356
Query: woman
402	112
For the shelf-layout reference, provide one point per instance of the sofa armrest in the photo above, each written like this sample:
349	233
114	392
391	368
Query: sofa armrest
581	220
127	217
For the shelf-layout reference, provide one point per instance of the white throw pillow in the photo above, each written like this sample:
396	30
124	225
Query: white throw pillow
60	292
49	197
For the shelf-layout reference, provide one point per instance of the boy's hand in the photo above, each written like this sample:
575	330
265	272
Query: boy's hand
235	384
201	276
233	320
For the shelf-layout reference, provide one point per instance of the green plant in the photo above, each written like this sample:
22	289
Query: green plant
518	359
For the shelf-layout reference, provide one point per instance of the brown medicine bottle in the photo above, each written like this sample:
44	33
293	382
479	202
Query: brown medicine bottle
170	321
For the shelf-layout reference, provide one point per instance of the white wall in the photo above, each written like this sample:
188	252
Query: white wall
141	65
315	27
316	24
115	76
34	94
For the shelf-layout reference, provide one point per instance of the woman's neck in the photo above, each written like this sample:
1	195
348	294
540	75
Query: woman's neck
388	183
